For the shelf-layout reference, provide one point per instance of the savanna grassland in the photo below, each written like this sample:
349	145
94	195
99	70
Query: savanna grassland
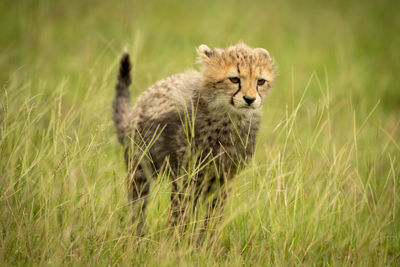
323	187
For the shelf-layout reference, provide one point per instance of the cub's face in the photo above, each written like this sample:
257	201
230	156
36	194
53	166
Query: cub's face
237	78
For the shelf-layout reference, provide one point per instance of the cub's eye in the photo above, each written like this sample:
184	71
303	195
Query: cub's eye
260	82
234	79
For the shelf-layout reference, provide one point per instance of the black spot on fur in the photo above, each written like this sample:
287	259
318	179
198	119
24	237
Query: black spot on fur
209	53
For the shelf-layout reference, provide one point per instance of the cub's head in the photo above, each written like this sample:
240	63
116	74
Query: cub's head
236	78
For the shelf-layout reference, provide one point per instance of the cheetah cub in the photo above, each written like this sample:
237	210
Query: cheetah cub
209	118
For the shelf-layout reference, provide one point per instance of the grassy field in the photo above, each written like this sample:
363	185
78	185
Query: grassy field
322	189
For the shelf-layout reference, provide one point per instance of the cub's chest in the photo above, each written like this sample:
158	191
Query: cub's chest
222	135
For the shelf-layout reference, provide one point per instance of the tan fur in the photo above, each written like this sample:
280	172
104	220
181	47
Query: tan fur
222	111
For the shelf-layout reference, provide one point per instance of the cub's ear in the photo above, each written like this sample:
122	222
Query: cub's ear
205	53
262	51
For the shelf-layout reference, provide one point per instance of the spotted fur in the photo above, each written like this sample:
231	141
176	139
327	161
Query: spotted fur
206	115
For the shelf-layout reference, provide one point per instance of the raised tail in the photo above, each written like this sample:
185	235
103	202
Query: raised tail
121	105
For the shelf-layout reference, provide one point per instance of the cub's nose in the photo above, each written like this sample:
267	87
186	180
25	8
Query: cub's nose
249	100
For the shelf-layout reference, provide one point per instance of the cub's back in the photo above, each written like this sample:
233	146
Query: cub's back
158	113
168	95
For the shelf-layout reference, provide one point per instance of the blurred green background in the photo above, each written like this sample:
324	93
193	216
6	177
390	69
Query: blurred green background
323	187
356	41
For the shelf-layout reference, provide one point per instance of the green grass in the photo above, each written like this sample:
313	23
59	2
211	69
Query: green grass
322	189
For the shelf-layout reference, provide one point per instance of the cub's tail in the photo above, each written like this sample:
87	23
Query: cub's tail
121	107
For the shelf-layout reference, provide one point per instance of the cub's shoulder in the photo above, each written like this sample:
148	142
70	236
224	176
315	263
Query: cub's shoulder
177	82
